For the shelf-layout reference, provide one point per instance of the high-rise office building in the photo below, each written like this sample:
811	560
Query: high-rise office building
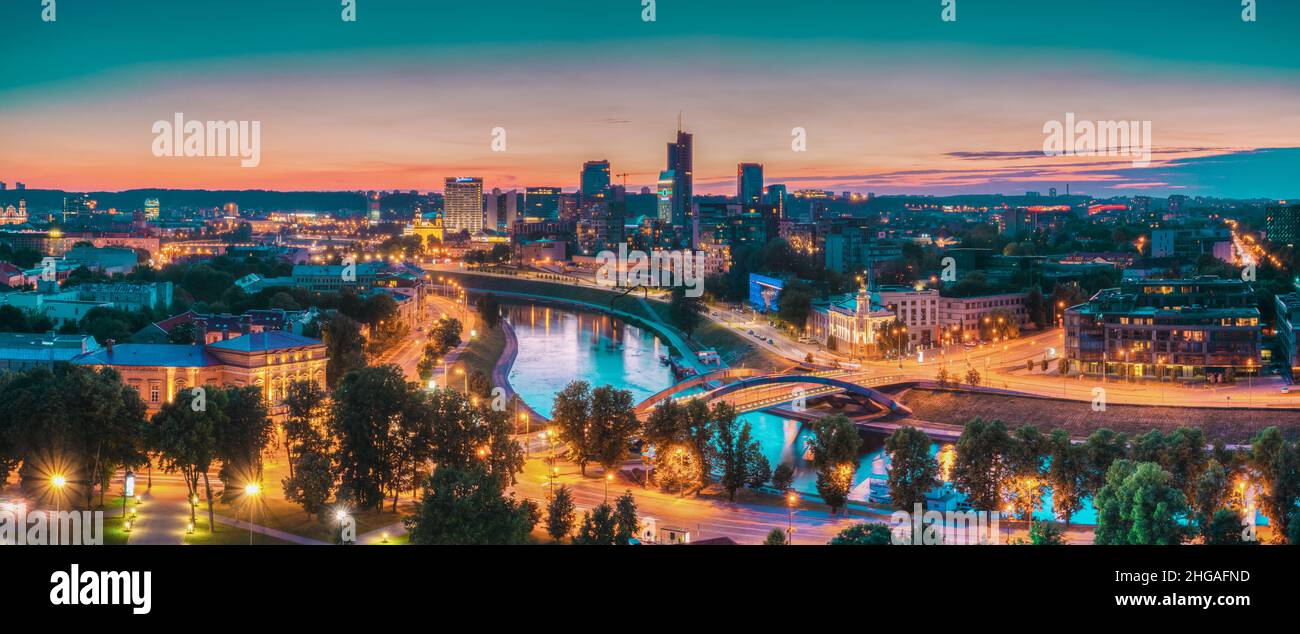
151	208
1283	224
595	179
667	199
542	202
681	164
463	204
749	183
775	195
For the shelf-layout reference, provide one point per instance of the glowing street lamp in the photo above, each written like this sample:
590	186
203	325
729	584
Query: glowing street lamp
252	489
791	500
58	482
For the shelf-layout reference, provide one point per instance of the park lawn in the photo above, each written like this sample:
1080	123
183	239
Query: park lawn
275	512
481	354
113	533
731	346
228	536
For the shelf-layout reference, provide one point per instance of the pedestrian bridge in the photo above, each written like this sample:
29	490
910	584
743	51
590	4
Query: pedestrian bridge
729	374
761	392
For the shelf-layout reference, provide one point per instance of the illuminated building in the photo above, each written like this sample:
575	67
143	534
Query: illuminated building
1167	329
681	167
595	179
749	183
542	202
151	208
463	204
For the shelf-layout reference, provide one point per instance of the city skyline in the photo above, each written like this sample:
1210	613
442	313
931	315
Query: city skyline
376	105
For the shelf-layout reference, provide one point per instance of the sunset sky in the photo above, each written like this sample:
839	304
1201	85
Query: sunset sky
893	99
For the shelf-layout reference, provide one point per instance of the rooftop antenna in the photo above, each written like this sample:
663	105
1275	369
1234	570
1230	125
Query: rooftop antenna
679	120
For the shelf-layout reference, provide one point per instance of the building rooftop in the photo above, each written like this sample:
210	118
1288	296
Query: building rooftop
263	341
173	355
45	347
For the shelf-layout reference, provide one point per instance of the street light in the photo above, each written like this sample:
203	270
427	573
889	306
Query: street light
57	482
791	499
608	477
251	490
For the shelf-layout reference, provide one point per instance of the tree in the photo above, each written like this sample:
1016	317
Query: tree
184	439
973	377
345	347
1224	527
469	507
944	378
184	333
864	534
981	468
459	435
312	483
1212	490
560	513
305	407
1026	484
1067	475
571	414
677	467
1278	466
776	537
626	524
783	477
835	448
1138	506
1103	447
245	431
1046	534
369	406
74	421
672	424
599	527
738	454
912	470
612	426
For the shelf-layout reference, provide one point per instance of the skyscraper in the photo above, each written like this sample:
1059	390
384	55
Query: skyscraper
1283	224
463	204
775	195
595	179
667	198
542	202
749	183
681	164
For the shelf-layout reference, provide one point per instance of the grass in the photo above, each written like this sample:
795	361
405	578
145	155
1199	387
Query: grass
482	353
228	536
278	513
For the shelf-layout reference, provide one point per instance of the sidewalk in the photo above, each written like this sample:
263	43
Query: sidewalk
263	530
159	522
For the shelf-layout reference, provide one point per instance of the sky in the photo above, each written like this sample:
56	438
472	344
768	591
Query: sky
889	97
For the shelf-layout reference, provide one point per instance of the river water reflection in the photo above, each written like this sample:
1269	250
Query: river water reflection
557	346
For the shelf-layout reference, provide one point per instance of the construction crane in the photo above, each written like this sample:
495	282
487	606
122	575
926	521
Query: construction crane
624	176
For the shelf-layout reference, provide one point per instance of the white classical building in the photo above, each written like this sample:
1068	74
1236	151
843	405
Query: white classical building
850	324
